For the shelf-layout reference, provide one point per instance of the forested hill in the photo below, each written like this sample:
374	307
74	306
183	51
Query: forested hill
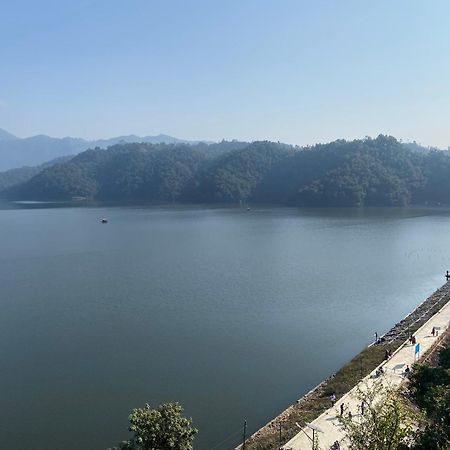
369	172
12	177
18	152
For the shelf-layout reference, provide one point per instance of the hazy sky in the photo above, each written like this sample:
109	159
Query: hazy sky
296	71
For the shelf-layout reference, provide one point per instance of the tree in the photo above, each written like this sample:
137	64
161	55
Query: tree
430	390
436	434
163	428
444	358
387	422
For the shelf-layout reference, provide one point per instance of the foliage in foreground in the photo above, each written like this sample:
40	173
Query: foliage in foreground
387	422
393	422
163	428
430	390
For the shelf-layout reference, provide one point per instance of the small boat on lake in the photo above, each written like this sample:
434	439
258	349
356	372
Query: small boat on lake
104	220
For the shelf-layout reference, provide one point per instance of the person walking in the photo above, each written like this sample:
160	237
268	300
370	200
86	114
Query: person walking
342	409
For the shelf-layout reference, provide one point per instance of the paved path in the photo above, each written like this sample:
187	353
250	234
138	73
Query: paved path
404	355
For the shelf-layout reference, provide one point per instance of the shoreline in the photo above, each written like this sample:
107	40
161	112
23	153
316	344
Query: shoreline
311	405
93	202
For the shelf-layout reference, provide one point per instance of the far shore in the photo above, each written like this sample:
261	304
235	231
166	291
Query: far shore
247	206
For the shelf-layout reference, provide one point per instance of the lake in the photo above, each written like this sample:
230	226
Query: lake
234	314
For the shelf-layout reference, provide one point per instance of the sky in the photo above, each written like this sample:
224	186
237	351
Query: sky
295	71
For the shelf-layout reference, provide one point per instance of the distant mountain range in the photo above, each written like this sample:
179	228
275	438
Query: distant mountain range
32	151
367	172
12	177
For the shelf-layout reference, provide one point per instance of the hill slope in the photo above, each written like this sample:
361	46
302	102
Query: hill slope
369	172
139	172
16	152
12	177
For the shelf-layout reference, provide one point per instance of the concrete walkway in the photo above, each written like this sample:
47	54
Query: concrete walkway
394	367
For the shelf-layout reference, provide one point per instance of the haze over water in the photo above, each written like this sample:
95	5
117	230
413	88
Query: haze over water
234	314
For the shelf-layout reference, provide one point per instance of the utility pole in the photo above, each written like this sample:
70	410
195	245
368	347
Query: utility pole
245	432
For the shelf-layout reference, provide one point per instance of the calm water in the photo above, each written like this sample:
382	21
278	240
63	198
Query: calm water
234	314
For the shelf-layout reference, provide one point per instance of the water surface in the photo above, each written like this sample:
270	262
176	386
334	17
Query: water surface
234	314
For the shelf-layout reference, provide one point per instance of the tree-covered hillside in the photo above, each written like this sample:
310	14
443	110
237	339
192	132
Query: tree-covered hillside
17	152
368	172
234	176
12	177
130	172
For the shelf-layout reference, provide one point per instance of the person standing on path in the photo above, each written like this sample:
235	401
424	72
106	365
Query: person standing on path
333	399
362	408
342	409
407	371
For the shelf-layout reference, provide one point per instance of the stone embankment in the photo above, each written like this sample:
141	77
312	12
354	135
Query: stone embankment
315	402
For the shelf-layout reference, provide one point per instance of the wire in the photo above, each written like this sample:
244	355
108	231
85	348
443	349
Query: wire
227	439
